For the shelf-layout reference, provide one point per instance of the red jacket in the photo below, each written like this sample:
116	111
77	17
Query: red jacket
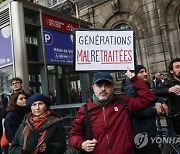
111	124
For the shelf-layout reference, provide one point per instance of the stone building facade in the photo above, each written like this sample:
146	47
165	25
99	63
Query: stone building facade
155	23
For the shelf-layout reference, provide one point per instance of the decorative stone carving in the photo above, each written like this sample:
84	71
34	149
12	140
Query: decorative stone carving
116	6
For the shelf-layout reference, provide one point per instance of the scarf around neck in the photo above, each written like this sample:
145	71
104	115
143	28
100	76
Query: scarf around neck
38	120
102	102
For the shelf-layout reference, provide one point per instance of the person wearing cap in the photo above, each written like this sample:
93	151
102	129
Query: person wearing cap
41	131
145	120
110	122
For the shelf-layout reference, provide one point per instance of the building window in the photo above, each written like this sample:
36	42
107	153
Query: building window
123	27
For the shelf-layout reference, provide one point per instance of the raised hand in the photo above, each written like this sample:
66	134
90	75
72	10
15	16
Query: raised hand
129	74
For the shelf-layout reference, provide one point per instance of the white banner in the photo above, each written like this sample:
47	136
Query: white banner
104	50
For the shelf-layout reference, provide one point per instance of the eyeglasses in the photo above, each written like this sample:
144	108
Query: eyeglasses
13	83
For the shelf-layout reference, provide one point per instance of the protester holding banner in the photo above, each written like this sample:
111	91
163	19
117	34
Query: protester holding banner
109	120
144	122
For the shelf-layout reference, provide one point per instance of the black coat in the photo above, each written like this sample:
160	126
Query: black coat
5	101
163	91
145	120
12	121
173	100
54	138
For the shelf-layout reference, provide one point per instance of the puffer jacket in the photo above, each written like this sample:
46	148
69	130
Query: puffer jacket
54	138
110	124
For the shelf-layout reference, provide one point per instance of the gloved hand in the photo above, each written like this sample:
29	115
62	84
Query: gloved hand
129	74
23	151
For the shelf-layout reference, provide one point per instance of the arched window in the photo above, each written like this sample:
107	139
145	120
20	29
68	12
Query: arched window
122	26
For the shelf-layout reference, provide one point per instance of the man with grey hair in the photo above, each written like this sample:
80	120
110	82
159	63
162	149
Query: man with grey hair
110	122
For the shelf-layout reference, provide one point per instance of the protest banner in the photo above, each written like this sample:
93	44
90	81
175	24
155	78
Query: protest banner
104	50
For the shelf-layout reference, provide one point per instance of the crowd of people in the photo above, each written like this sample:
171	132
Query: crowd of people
31	127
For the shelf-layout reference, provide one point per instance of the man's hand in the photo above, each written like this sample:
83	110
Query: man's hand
158	108
88	145
42	147
129	74
161	109
165	108
174	90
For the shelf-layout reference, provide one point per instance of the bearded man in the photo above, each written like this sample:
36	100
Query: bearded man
109	120
170	88
144	122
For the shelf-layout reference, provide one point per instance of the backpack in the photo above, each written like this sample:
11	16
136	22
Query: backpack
71	150
122	102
